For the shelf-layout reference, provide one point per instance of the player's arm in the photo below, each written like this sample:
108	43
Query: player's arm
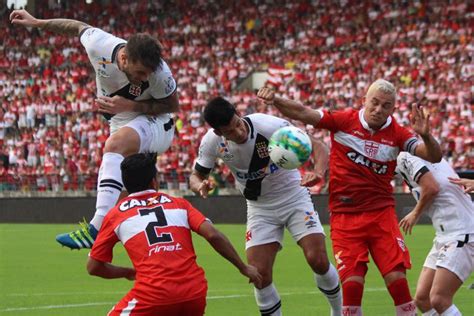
61	26
290	108
467	184
223	246
429	150
109	271
429	190
321	159
199	183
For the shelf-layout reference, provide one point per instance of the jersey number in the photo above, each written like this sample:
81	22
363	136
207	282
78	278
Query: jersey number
151	234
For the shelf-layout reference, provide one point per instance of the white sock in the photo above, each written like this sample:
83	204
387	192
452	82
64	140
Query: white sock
328	284
352	311
431	312
407	309
451	311
109	186
268	301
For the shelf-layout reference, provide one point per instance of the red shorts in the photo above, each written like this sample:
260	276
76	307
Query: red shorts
354	235
130	306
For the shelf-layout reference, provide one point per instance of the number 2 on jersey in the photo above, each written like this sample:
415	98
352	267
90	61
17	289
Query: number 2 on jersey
151	234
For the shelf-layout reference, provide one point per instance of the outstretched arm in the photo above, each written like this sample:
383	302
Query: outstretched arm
467	184
109	271
289	108
200	184
429	150
321	159
62	26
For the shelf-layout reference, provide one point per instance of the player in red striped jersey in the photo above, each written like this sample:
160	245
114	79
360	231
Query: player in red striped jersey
364	148
155	229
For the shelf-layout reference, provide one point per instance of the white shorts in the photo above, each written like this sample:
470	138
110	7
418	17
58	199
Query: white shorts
156	132
267	225
453	255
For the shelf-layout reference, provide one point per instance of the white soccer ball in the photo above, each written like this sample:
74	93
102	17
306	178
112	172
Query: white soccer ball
289	147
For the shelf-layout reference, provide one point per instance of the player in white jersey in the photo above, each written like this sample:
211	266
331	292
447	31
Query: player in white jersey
275	198
135	91
451	259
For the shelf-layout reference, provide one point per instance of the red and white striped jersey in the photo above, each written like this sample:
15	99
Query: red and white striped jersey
362	160
155	230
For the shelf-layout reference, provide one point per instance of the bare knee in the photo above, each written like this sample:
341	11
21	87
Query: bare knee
440	302
422	301
318	261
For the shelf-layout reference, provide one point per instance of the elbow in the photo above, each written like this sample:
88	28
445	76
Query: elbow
432	191
93	268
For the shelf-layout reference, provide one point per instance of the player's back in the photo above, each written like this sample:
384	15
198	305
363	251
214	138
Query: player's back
155	229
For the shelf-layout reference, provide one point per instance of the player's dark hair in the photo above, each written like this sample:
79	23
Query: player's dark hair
145	49
219	112
138	171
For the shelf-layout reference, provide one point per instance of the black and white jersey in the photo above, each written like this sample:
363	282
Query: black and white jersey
452	211
102	48
257	177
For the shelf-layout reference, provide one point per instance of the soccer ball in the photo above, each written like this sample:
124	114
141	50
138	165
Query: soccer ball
289	147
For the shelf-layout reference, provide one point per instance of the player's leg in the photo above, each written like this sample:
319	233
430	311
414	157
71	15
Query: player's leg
263	240
392	258
425	281
454	265
305	227
348	235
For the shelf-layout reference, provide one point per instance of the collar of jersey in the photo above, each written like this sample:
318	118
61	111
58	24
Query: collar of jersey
366	125
143	192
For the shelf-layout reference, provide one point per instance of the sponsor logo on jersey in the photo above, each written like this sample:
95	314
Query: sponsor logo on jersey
169	85
364	161
224	152
135	90
126	205
165	248
371	148
262	149
261	173
310	220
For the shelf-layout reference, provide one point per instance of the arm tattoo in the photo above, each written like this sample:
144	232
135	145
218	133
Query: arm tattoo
64	26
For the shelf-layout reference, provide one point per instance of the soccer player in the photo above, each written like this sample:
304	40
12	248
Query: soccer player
155	229
136	92
451	259
275	198
468	184
364	147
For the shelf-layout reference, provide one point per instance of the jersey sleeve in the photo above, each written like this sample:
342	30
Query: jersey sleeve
332	121
411	167
207	154
102	250
163	84
195	217
94	40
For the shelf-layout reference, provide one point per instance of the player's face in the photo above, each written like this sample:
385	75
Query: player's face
378	107
237	131
136	72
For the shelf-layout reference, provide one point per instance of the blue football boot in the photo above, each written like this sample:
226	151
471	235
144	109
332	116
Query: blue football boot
84	237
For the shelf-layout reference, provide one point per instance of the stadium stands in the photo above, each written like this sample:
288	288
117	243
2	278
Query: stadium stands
324	54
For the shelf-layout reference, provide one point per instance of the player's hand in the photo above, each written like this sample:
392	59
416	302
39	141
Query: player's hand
22	17
131	274
311	178
467	184
266	95
407	223
254	276
420	120
114	105
205	187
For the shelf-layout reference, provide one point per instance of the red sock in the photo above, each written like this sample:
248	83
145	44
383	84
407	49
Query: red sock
352	293
400	291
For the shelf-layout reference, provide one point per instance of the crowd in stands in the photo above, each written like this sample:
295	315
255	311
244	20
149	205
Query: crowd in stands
51	135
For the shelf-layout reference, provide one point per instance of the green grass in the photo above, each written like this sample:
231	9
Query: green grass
38	277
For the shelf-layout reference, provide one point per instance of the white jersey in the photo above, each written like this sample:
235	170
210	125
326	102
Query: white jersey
261	181
452	211
102	48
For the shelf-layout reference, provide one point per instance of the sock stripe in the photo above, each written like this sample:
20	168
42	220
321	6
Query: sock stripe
330	292
269	311
111	181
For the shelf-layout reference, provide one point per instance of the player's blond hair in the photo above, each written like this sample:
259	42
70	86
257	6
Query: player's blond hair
384	86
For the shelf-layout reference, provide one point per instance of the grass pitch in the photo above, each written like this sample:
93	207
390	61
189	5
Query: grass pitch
38	277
